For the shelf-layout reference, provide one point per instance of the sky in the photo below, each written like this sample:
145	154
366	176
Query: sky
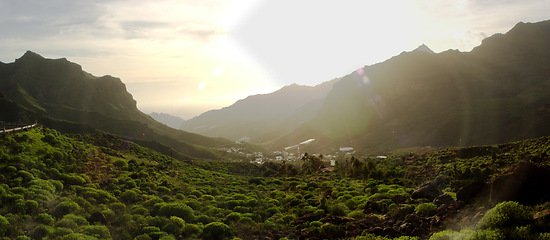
185	57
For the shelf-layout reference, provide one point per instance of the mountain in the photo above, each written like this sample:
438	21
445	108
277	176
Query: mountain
167	119
423	48
498	92
59	94
261	118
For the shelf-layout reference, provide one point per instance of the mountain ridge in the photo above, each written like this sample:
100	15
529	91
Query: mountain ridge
420	98
256	115
446	99
167	119
59	94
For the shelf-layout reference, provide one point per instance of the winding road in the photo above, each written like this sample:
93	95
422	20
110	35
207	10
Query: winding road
14	128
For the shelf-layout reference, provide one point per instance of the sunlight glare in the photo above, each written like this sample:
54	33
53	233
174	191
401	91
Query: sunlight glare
202	85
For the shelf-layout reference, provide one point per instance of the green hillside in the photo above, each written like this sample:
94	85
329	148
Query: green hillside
97	186
59	94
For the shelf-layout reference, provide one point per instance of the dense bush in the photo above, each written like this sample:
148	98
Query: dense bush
177	209
216	231
425	208
504	215
64	208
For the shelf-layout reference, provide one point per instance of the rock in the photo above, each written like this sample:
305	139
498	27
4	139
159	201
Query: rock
399	198
444	199
472	191
377	230
442	181
391	232
526	183
428	191
413	220
401	212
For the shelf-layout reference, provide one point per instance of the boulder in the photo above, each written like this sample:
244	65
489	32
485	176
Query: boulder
472	191
444	199
526	183
428	190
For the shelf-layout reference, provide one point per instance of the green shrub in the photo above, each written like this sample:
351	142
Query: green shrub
61	231
315	224
191	230
65	208
98	231
331	231
22	238
337	210
143	237
216	230
120	164
42	231
150	229
78	236
233	217
44	218
4	224
130	196
51	139
425	209
205	219
482	234
246	220
357	214
504	215
269	225
167	237
73	179
25	175
71	221
177	209
172	228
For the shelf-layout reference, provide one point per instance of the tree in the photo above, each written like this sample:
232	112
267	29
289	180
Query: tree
311	164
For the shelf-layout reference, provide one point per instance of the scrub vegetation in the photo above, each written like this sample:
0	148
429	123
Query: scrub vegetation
55	186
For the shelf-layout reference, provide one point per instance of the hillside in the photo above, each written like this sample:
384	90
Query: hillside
97	186
493	94
167	119
259	118
59	94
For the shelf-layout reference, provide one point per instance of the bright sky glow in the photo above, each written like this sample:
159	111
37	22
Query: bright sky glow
184	57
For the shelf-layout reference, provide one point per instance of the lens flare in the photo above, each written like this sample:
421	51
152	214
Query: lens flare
366	80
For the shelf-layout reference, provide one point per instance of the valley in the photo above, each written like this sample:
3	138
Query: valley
425	145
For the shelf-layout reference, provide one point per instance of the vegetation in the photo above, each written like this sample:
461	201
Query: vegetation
55	186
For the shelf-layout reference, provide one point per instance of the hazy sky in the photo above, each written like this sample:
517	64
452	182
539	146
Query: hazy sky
184	57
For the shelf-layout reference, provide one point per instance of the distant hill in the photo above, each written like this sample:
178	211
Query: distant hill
59	94
167	119
261	118
496	93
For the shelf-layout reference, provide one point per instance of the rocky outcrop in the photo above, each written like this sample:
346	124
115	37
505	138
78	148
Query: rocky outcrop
473	191
526	183
428	191
444	199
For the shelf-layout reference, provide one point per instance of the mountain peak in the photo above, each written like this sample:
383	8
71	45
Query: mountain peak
30	55
424	48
